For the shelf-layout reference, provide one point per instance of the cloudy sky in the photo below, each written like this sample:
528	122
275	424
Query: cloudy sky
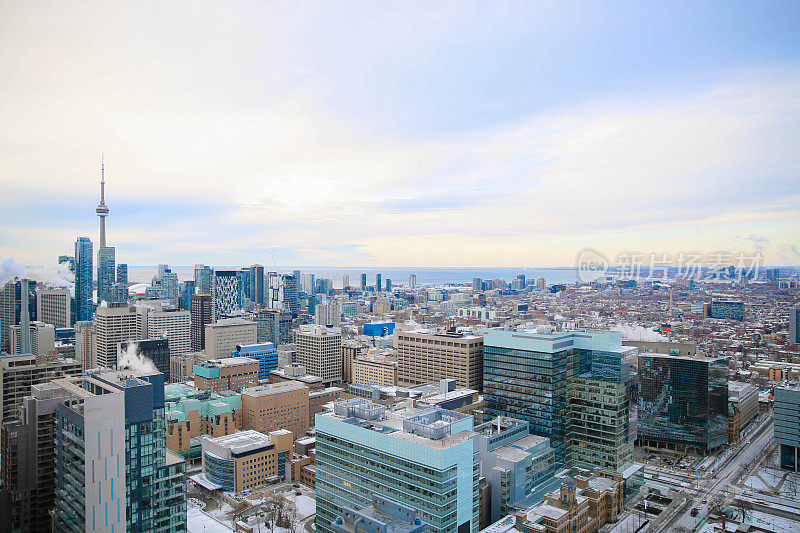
400	133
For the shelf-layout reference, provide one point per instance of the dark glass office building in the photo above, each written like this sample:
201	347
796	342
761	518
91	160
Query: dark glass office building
156	350
683	402
84	275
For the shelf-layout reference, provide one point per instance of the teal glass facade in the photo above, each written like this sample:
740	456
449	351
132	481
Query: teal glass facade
106	272
84	276
358	458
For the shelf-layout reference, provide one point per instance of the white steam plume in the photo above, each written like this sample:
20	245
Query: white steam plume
635	332
10	269
134	361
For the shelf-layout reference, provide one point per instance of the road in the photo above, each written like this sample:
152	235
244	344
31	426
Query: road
723	479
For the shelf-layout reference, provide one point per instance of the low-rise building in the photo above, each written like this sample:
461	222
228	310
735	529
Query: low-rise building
231	373
189	418
247	459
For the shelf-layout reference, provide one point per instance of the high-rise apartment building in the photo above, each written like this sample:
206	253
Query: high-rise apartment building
122	273
115	323
309	283
571	387
224	293
388	285
378	285
328	314
224	335
361	446
257	284
319	349
794	325
273	325
159	321
106	272
13	297
412	281
787	425
345	281
245	290
113	469
84	274
363	282
187	290
276	406
291	300
541	284
19	372
42	338
203	276
85	343
54	306
201	317
683	402
425	357
27	446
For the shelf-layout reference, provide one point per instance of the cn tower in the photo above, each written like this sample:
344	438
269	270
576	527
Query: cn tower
102	209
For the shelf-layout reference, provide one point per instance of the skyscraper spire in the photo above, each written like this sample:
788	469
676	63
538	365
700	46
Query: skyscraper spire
102	209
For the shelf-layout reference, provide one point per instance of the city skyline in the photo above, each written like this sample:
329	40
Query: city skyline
508	137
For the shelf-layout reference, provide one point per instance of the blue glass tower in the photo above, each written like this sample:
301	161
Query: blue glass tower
84	276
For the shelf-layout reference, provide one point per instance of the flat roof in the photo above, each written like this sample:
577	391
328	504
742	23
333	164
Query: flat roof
273	388
242	441
699	358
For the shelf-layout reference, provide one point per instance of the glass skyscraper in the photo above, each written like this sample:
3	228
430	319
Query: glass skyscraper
570	387
84	276
224	293
122	273
106	271
683	401
290	292
202	279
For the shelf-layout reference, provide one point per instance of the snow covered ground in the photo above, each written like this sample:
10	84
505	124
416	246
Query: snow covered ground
200	522
305	506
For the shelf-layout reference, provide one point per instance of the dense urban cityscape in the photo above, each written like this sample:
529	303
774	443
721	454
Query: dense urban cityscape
502	268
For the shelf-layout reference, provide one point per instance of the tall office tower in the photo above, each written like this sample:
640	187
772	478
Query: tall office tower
319	349
276	406
257	284
683	402
378	283
274	295
41	339
224	293
309	283
224	335
158	321
388	285
412	281
345	281
477	284
122	273
245	294
115	323
85	343
519	282
290	294
794	325
428	357
273	325
363	282
84	275
13	296
359	444
54	306
19	372
27	447
156	350
557	382
323	286
329	314
541	284
169	282
114	472
105	272
203	277
787	429
120	293
201	316
187	291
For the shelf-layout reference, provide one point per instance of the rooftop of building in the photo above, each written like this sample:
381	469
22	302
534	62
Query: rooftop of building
273	388
227	362
242	441
698	358
224	322
450	395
